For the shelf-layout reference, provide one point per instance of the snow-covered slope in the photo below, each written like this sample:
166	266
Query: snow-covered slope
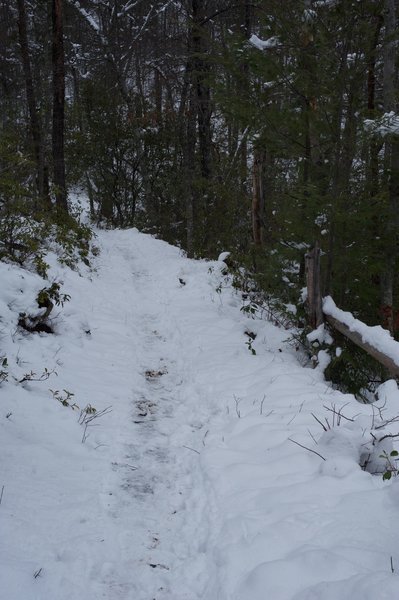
189	488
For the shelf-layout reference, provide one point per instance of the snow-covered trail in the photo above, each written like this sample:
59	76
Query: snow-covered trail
154	513
127	514
191	488
158	507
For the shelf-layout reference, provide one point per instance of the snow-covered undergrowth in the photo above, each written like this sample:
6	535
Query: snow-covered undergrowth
193	486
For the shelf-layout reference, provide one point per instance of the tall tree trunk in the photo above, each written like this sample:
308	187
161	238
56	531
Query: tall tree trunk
158	92
187	136
258	198
392	153
308	64
247	14
189	160
201	72
373	169
36	132
336	163
341	161
58	106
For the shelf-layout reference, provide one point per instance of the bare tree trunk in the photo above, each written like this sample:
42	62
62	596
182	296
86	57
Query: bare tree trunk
341	163
392	152
258	198
158	96
373	170
58	106
36	132
247	10
309	104
201	74
189	158
336	161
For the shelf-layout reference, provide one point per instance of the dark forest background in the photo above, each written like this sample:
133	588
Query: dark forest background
174	118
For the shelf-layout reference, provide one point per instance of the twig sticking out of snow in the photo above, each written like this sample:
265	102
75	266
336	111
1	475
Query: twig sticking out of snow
306	448
206	433
237	401
88	415
188	448
326	428
337	414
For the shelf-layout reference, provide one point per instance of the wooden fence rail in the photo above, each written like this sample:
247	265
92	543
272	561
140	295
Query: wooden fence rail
317	316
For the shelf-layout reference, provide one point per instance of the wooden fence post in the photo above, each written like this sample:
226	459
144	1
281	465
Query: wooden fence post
313	282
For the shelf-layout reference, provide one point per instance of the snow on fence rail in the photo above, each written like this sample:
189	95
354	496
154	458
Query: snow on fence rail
376	341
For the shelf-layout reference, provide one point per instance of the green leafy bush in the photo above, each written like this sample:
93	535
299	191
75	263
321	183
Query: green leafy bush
354	371
27	235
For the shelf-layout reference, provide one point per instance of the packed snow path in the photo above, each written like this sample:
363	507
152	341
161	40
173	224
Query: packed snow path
159	513
190	488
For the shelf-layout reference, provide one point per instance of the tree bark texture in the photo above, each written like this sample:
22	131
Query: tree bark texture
201	72
308	65
58	106
373	171
189	154
392	153
258	202
36	133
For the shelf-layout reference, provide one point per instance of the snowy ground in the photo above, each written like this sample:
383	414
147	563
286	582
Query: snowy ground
190	488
